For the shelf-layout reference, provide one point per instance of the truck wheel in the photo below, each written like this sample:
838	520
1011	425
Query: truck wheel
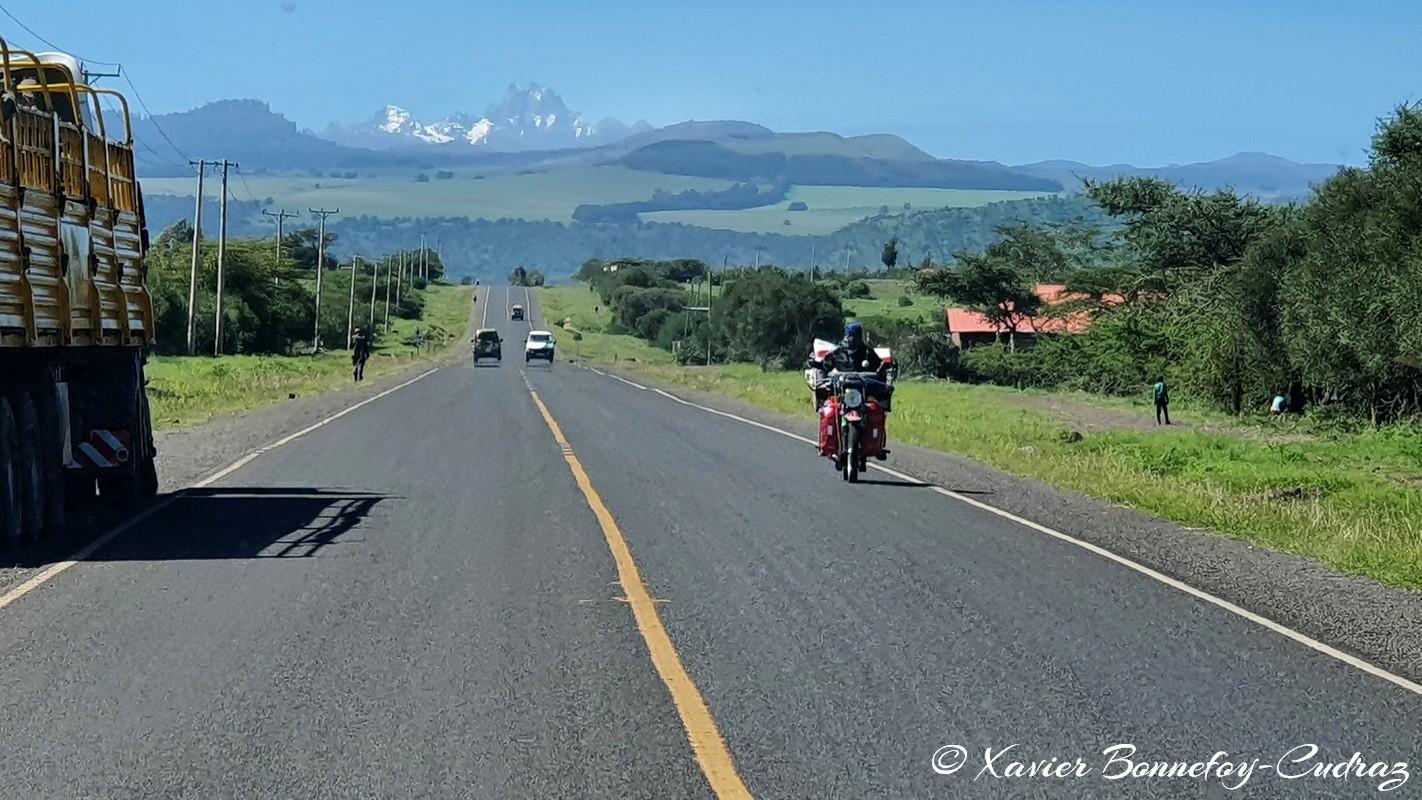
119	490
51	445
11	518
32	468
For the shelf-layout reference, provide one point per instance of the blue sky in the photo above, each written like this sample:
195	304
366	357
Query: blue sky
1015	81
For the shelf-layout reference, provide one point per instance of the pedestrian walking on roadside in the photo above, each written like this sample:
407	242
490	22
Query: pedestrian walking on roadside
1161	393
360	352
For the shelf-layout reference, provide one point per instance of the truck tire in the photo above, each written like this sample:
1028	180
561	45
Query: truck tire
32	466
11	518
51	443
120	489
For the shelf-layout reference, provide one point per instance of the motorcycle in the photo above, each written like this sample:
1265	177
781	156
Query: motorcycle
852	408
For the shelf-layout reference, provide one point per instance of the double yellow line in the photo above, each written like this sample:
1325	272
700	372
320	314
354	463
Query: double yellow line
706	742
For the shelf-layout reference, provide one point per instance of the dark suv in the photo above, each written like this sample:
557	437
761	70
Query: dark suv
487	344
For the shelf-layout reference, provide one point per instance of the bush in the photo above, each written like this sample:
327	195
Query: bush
856	289
905	301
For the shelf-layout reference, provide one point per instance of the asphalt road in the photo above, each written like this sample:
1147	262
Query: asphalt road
417	600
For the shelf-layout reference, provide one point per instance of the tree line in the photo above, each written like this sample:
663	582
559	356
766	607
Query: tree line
1233	300
767	315
269	304
488	249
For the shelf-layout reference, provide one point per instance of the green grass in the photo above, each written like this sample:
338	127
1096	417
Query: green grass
187	390
883	301
576	305
548	195
831	208
1361	509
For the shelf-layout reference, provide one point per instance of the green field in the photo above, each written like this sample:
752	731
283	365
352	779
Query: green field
883	301
553	194
548	195
575	306
187	390
831	208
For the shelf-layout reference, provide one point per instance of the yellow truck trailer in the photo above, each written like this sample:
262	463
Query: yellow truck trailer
76	319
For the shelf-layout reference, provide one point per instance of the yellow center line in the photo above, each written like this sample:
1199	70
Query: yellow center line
706	742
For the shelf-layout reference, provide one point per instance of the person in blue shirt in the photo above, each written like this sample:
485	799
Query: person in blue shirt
1161	393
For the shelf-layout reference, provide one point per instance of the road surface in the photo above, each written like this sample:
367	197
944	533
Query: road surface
423	598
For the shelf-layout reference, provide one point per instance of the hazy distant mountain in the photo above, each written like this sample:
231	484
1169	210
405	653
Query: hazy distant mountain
245	131
531	128
794	161
531	118
1258	174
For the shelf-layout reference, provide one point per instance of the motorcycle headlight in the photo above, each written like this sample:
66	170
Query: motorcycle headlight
853	398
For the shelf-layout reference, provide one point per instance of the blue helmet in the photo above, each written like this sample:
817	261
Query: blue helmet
853	332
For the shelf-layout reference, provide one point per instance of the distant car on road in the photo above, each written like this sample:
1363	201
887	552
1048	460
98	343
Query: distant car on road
487	344
538	344
516	312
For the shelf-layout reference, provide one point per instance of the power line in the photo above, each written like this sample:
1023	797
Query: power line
122	73
52	44
247	188
152	119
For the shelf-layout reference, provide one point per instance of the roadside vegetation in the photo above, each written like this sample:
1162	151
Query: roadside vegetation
1231	300
269	319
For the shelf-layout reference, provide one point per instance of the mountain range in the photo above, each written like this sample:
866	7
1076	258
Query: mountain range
528	118
532	128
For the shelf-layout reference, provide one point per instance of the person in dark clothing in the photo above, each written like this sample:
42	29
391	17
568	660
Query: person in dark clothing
360	352
851	355
1161	393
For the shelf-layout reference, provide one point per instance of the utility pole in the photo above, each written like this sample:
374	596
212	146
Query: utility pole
280	218
320	269
424	263
399	280
197	255
374	282
221	261
350	309
388	264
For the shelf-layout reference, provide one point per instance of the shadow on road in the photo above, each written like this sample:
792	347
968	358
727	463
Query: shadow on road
225	523
908	484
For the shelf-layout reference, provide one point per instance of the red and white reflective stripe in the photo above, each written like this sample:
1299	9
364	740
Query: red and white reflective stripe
104	450
90	457
112	444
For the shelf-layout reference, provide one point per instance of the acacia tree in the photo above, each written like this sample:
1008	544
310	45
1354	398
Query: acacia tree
990	285
890	256
1352	283
769	316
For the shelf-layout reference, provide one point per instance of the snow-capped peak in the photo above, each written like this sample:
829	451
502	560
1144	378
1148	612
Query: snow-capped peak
527	118
396	120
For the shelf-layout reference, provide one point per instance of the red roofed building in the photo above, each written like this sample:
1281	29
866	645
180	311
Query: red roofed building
969	328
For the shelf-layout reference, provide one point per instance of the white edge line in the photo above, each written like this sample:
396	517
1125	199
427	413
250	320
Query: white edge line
89	549
1199	594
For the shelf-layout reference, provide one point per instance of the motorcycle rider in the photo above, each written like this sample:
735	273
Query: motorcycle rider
850	355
